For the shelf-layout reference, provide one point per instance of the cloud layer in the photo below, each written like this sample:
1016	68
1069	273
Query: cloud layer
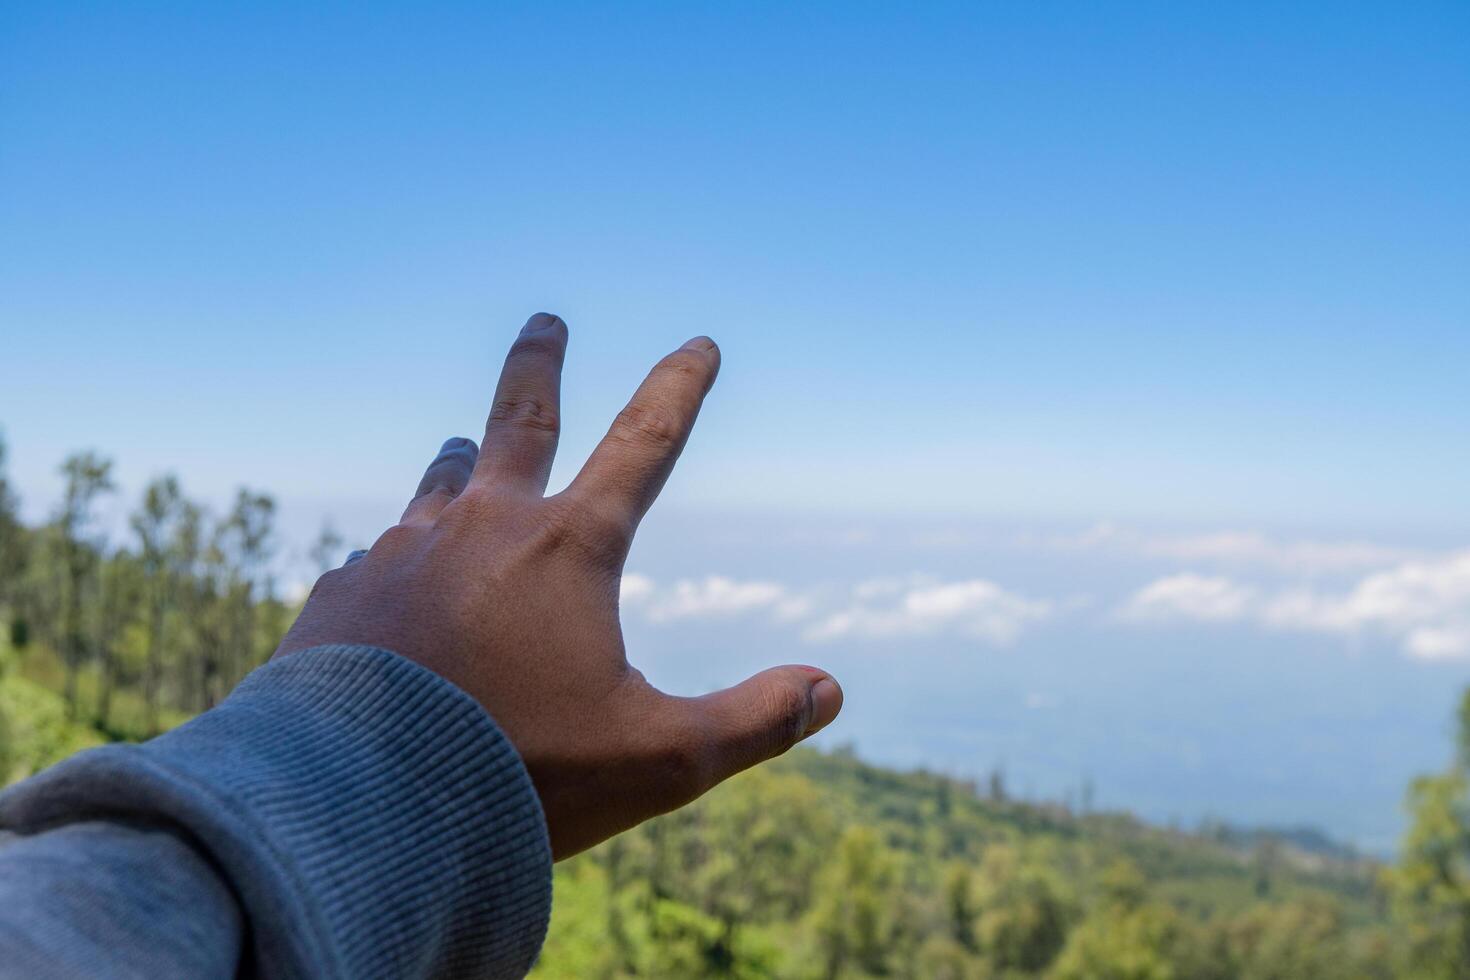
922	606
1421	604
1188	596
1424	606
917	605
714	596
1238	548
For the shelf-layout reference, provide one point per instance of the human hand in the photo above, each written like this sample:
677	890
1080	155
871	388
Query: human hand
513	596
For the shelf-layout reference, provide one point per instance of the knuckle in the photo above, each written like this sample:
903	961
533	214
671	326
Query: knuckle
688	365
536	345
449	466
787	708
397	539
436	488
471	497
461	511
328	582
649	425
681	767
526	411
564	526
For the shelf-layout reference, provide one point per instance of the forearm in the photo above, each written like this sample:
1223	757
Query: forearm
367	816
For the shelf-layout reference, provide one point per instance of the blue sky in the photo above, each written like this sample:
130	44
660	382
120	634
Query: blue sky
1022	273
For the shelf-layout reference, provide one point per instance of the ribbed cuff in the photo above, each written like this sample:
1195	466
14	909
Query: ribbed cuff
370	816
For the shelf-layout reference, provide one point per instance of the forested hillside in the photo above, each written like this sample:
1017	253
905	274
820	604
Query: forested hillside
821	866
815	866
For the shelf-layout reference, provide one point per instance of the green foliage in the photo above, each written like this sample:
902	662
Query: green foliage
137	637
1147	943
1303	939
35	731
818	867
1431	885
857	917
12	537
1022	916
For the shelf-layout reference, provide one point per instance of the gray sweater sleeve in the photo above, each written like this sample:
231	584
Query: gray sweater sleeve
344	813
114	899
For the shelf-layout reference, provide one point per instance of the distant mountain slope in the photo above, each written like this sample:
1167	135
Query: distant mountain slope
822	866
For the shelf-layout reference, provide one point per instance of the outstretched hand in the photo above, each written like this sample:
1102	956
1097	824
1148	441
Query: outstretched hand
513	596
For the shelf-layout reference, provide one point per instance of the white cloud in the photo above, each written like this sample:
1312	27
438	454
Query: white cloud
878	588
1189	596
714	596
881	607
635	588
1422	605
1439	642
1239	548
919	606
1425	604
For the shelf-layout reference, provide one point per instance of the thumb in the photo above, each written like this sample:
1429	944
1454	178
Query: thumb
762	717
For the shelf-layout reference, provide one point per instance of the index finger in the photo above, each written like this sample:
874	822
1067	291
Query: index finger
629	467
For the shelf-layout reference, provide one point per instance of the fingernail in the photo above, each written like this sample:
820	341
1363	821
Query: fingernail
539	321
453	443
710	350
826	702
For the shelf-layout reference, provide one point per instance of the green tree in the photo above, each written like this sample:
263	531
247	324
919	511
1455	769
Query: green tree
244	542
88	476
41	593
210	613
1022	916
960	907
762	848
12	540
120	594
156	526
11	567
853	918
1297	940
1151	942
1431	884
